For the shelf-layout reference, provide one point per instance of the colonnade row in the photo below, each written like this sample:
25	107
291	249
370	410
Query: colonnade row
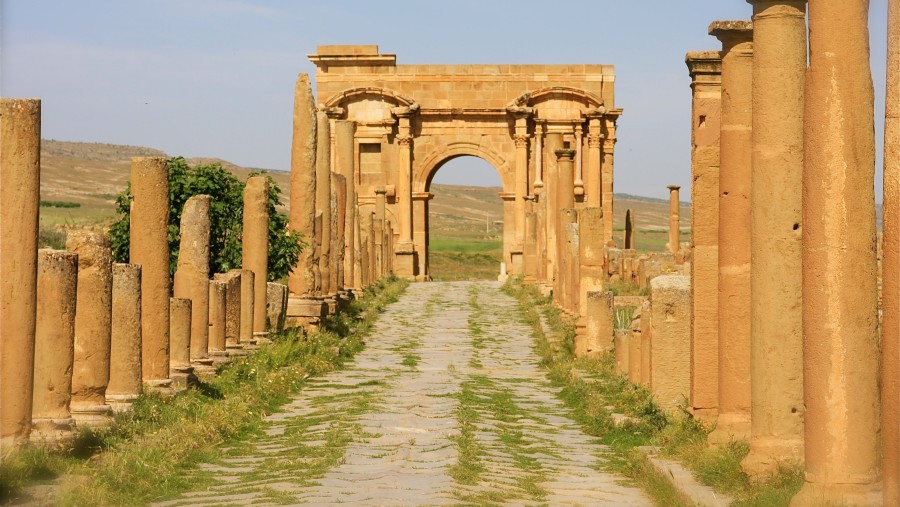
794	310
83	336
348	249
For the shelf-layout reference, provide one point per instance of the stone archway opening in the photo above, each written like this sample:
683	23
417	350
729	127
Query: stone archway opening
464	227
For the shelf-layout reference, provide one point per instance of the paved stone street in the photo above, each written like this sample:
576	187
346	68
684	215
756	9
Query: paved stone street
446	405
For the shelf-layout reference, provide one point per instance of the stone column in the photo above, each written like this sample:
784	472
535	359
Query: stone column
54	346
891	265
646	339
420	233
405	251
20	185
255	244
573	274
779	64
149	248
248	305
366	231
339	217
606	177
323	200
592	276
345	157
635	344
125	349
565	198
93	328
551	183
232	286
540	218
630	231
595	142
217	323
303	185
705	68
840	293
734	231
379	219
538	155
530	270
521	115
180	368
674	219
670	344
192	274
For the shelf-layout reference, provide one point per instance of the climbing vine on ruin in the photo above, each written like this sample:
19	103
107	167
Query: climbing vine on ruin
226	219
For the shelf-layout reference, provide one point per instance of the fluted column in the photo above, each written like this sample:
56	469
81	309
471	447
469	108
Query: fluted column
705	68
734	231
840	291
606	178
595	143
779	65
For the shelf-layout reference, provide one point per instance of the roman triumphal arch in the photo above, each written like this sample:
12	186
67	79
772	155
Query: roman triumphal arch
411	119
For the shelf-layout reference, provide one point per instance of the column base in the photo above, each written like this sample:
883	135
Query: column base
262	337
50	433
766	454
730	427
92	416
219	357
162	387
182	377
120	402
707	416
814	494
405	261
204	366
306	312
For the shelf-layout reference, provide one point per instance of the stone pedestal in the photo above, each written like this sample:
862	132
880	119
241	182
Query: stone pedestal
192	275
181	372
233	313
20	182
734	231
255	244
308	313
779	65
57	280
622	345
706	85
149	245
635	353
405	261
600	324
276	306
840	295
125	351
303	185
670	353
93	328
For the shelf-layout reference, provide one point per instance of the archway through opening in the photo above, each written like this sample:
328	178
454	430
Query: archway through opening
465	220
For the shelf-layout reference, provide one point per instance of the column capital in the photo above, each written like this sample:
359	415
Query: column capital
674	187
333	113
521	140
565	154
595	140
404	140
705	67
731	33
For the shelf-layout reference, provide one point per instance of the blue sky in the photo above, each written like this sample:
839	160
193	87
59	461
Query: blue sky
216	77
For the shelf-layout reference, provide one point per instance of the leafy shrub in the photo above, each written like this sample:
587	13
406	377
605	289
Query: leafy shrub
225	215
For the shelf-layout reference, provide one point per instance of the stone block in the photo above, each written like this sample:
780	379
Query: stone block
670	344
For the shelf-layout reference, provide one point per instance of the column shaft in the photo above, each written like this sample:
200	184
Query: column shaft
303	185
521	188
323	200
192	275
674	220
779	65
840	293
345	162
595	142
20	187
255	247
125	350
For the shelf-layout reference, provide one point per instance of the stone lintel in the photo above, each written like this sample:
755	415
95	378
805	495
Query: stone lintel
350	55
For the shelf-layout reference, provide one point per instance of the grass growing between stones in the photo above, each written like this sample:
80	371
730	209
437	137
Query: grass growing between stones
594	392
147	453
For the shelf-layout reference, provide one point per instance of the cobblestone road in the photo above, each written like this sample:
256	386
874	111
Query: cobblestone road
446	405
